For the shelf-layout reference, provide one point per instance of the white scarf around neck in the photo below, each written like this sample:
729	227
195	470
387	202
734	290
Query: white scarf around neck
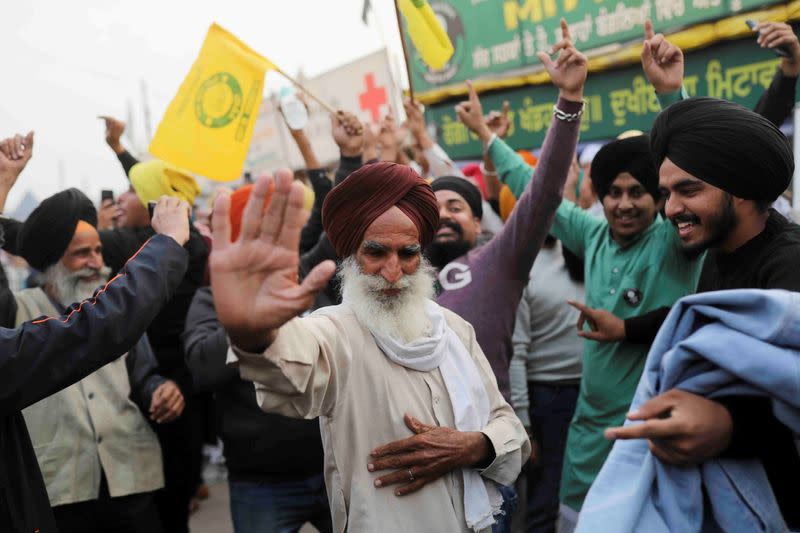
443	349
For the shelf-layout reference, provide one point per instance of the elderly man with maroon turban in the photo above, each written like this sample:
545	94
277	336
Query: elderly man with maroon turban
385	364
408	404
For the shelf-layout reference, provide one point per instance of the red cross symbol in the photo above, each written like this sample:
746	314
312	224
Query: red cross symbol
373	98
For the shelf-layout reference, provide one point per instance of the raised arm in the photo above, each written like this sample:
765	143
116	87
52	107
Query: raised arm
45	355
511	253
777	102
114	130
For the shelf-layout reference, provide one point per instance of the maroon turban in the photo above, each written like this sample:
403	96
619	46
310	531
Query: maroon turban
369	192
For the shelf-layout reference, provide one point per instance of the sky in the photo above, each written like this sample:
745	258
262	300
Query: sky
65	63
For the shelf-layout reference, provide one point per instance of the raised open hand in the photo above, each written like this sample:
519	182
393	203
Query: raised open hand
662	61
471	114
568	71
255	279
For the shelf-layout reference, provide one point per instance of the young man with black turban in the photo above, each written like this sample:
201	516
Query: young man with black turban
721	166
632	263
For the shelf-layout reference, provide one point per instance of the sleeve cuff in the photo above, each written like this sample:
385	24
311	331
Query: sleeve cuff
667	99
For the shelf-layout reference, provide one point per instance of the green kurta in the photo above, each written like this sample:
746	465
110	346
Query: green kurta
628	281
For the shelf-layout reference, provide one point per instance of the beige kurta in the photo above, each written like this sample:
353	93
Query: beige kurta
328	365
87	426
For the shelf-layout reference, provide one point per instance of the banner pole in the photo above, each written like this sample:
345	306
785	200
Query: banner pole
300	86
405	51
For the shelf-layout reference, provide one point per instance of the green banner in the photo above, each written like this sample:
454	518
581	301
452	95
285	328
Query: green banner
493	38
616	100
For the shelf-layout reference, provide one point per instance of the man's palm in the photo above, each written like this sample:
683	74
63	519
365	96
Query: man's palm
255	279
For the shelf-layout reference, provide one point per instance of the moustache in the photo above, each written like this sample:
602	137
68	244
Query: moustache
692	219
453	226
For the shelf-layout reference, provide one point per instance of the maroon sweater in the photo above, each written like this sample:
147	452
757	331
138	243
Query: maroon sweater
484	287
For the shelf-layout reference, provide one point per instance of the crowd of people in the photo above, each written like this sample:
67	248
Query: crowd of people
403	344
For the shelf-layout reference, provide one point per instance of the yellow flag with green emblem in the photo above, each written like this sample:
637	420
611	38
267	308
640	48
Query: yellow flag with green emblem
208	125
426	32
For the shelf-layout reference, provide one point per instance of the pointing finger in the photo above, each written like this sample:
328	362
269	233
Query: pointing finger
648	30
473	94
565	30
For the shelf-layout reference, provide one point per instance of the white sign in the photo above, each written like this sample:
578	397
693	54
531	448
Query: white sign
364	87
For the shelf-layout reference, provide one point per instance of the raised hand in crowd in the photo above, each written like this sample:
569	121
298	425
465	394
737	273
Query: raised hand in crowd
470	113
171	218
114	130
499	122
388	144
781	35
568	72
167	403
15	152
348	133
254	280
662	61
604	326
415	120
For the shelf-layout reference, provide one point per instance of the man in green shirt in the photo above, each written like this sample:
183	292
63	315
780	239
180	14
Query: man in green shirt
633	263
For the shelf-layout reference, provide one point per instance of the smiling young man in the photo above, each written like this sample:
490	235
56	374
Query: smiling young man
632	263
722	166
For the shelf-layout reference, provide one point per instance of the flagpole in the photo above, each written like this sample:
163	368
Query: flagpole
405	51
300	86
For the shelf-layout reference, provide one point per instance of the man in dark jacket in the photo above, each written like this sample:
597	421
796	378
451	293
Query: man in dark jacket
49	354
274	463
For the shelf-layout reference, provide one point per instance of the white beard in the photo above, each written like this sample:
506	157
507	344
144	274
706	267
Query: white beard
403	316
67	287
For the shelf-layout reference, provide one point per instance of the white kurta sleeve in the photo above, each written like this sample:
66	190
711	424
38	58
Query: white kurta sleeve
301	373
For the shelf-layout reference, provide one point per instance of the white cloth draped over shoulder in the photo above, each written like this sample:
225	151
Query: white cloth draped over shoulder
329	365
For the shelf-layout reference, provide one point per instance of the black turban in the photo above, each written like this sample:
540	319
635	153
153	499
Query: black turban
369	192
726	145
47	232
631	155
470	193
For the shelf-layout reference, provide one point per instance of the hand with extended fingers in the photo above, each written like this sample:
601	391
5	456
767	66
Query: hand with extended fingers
430	453
662	61
255	279
568	72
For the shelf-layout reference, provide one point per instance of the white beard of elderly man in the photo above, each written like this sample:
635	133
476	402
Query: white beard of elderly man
417	436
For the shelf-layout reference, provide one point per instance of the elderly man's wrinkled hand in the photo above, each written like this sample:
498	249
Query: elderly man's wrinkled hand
682	428
432	452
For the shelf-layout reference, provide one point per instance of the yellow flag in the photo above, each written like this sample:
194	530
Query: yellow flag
208	125
427	34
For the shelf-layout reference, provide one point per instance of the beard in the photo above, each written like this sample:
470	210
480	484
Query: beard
402	316
68	287
719	225
440	253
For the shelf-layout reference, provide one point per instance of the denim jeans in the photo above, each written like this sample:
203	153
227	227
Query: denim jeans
280	507
551	410
503	522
